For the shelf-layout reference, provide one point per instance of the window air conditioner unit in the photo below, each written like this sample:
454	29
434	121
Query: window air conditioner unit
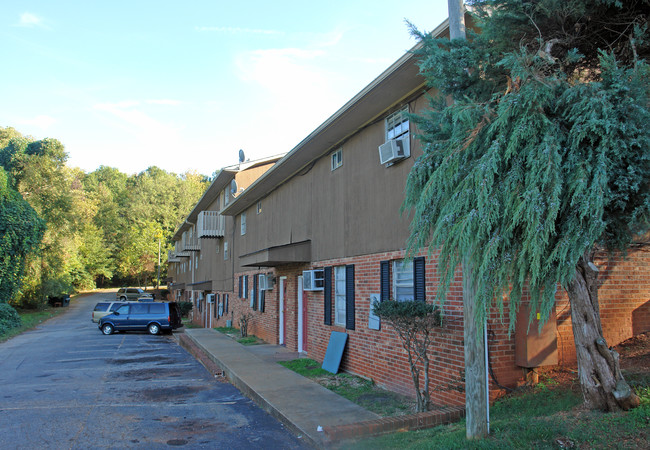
261	282
210	298
269	280
394	150
313	280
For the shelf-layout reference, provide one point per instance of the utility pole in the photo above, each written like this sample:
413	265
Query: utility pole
158	286
476	389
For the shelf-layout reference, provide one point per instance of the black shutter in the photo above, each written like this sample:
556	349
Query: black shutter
384	281
254	300
215	305
241	284
349	297
327	294
262	300
225	303
419	281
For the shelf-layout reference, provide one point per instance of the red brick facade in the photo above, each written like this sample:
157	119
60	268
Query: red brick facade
624	294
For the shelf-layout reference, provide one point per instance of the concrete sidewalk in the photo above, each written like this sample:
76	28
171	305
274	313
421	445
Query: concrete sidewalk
302	405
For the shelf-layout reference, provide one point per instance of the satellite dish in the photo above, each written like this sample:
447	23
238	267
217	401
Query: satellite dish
242	157
233	187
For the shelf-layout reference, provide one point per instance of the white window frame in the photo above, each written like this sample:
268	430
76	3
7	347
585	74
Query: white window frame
245	286
242	220
225	250
226	197
340	299
397	124
336	159
403	280
259	207
196	262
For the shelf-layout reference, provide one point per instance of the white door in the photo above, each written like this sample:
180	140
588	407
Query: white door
300	316
281	324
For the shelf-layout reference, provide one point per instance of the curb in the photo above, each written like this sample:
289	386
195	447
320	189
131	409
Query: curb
214	366
331	434
385	425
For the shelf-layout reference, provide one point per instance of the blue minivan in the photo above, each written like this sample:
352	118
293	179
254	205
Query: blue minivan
142	316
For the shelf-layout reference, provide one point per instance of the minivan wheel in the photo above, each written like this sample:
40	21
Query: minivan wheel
154	328
107	329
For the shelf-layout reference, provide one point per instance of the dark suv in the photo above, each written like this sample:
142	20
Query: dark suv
141	316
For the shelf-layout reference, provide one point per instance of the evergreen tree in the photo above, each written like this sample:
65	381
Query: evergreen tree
542	158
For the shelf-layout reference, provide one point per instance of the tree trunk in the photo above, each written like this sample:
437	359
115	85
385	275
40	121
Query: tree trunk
603	385
476	406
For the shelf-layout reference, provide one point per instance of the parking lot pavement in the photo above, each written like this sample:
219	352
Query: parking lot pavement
66	385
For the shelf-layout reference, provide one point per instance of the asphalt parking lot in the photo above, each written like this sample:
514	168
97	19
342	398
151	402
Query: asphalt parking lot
66	385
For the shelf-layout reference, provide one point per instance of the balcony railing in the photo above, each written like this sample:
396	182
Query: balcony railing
179	251
210	224
172	257
190	241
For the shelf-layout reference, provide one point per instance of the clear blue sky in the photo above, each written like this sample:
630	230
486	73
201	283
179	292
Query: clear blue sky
184	85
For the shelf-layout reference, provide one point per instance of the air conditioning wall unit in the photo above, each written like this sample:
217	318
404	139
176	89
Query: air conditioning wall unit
269	281
313	280
261	282
210	298
395	150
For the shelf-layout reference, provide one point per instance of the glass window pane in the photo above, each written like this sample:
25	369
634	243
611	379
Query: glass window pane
339	295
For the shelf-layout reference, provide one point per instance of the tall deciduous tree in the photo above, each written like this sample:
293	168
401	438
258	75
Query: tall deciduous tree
21	231
542	158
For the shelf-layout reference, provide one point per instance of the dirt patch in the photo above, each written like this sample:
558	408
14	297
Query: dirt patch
635	353
634	360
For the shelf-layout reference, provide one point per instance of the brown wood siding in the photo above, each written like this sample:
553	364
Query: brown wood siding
351	211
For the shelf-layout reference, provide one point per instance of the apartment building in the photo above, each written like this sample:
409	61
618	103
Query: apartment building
314	240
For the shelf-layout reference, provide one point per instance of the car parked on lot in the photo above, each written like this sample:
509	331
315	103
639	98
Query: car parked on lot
127	294
152	317
103	309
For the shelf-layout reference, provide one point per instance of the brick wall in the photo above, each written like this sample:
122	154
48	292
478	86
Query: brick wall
624	294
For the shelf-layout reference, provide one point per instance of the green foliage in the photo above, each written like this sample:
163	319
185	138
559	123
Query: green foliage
542	418
544	152
185	308
21	231
408	310
250	340
417	323
100	228
9	318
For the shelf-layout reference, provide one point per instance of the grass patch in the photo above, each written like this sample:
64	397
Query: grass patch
250	340
228	330
31	319
234	333
356	389
547	416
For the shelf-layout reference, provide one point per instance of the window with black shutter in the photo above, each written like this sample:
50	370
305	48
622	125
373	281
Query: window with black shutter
225	303
327	294
262	300
349	297
419	279
384	280
254	296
